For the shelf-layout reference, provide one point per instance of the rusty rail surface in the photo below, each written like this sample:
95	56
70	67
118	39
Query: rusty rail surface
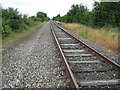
111	63
69	73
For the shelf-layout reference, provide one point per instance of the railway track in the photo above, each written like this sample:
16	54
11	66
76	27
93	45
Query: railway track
84	66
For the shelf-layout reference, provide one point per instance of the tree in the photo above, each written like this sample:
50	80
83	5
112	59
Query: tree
77	14
13	21
106	13
103	14
82	15
13	17
42	16
57	18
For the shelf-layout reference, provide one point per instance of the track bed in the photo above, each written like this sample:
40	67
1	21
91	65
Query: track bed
87	67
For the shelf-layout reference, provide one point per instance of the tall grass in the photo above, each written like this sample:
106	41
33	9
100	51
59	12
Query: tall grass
103	36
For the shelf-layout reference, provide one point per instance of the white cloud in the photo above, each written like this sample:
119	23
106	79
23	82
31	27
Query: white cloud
51	7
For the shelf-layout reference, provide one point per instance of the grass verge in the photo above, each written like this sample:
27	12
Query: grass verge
14	35
15	38
104	37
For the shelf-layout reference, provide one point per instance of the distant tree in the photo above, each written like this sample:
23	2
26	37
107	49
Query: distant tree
42	16
65	18
102	14
57	18
13	21
82	15
106	13
78	14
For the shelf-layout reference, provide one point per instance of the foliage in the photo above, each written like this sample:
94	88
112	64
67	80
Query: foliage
13	21
78	14
58	18
103	14
106	13
42	16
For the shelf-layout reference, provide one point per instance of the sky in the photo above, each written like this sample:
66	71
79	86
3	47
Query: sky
50	7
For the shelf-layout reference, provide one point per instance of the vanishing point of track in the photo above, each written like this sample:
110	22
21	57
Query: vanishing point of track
84	66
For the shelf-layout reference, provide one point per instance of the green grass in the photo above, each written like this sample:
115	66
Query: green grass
16	38
14	35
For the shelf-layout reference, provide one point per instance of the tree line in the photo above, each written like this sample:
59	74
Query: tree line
13	21
102	14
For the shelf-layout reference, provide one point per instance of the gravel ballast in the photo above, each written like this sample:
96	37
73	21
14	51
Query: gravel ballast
33	64
111	55
86	71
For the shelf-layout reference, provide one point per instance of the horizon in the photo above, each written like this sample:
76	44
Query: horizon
51	8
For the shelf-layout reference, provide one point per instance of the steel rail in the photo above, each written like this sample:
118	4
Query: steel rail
73	82
112	64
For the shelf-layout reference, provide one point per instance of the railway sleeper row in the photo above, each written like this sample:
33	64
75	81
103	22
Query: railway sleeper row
88	69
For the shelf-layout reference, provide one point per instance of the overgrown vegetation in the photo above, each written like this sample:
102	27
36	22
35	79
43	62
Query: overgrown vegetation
103	37
13	22
101	24
19	34
103	14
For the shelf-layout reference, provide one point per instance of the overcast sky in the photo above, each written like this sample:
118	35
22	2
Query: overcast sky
51	7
